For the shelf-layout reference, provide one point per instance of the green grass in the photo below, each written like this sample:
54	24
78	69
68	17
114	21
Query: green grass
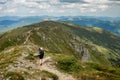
59	37
86	71
13	37
6	44
68	64
30	57
8	58
49	74
99	57
62	38
14	76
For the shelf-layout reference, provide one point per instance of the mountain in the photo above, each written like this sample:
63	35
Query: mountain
81	52
11	22
10	18
107	23
110	24
5	24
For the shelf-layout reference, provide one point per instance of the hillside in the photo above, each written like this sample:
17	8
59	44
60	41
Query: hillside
107	23
73	49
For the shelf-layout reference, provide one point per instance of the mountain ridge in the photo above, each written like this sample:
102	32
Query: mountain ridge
107	23
74	49
91	35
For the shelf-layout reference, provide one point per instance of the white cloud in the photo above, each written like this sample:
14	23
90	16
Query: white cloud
23	3
37	0
0	8
54	2
82	10
61	11
32	12
93	10
90	6
11	10
44	6
30	4
103	7
85	5
73	5
55	7
3	0
97	1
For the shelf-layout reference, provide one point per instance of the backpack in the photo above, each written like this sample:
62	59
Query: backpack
41	52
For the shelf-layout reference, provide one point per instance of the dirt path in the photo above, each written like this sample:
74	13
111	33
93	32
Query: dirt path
49	66
29	33
21	64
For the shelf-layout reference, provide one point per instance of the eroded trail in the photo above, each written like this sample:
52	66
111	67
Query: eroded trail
29	33
21	64
49	66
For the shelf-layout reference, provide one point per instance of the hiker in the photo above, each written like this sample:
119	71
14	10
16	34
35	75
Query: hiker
41	55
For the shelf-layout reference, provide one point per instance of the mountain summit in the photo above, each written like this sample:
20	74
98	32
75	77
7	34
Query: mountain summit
85	44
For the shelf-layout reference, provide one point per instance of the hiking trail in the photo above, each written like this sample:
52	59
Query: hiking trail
49	65
22	65
29	33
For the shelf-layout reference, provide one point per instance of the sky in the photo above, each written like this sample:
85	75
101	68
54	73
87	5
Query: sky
109	8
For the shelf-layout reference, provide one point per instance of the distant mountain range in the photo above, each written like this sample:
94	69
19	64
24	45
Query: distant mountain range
107	23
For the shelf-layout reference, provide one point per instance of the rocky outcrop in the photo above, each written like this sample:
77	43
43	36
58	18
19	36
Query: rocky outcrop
80	49
86	56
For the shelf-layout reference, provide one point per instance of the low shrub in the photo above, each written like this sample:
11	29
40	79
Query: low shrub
50	75
68	64
97	66
30	57
14	76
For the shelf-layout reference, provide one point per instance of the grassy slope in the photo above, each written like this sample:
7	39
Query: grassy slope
57	36
57	39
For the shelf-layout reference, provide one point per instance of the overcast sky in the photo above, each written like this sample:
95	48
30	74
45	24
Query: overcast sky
60	8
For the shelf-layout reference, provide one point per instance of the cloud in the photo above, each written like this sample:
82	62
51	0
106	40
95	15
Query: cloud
114	0
0	8
93	10
96	1
73	1
56	7
32	11
3	1
11	10
103	7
